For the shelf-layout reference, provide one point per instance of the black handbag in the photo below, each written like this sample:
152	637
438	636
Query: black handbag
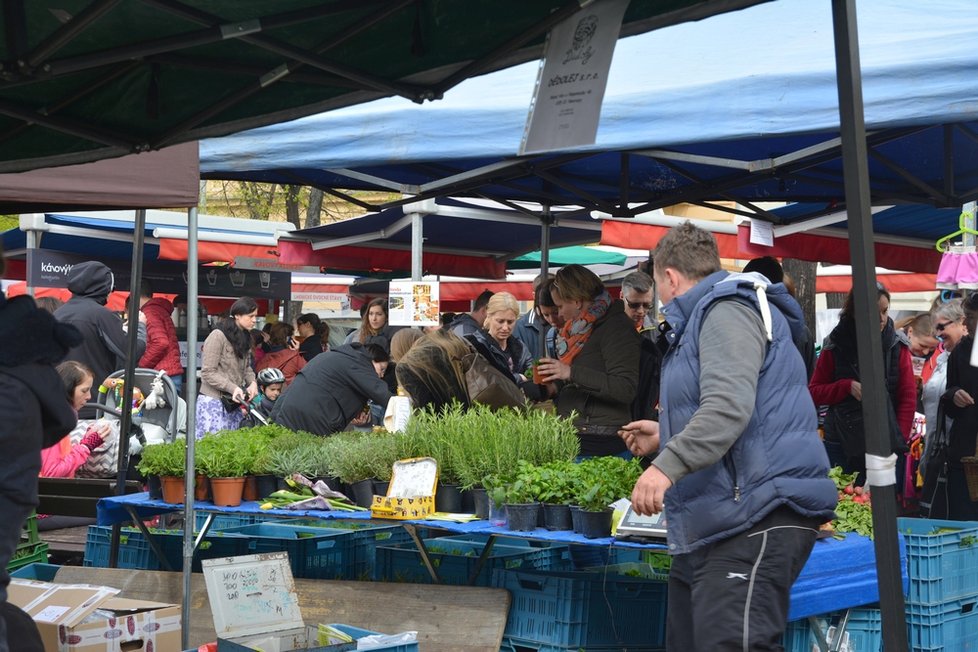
933	496
228	402
844	424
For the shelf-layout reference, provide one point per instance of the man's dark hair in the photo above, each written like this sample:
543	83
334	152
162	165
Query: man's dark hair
145	288
377	353
768	266
482	300
447	318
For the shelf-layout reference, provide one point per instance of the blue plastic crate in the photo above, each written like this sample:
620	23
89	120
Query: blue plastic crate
358	633
510	644
223	521
366	535
949	626
943	566
583	609
37	571
557	555
454	560
314	553
863	632
214	546
134	550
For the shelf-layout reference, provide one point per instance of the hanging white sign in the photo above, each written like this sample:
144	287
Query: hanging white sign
413	303
570	86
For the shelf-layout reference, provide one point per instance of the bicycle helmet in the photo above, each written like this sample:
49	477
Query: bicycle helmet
270	376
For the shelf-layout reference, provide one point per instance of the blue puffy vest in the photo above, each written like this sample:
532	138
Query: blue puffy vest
779	458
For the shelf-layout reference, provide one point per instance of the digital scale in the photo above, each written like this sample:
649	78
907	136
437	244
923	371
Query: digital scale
635	526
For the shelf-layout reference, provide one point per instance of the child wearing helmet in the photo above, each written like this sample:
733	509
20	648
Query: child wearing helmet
270	380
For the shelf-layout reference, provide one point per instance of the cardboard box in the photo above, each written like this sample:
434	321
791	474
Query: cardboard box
83	618
411	492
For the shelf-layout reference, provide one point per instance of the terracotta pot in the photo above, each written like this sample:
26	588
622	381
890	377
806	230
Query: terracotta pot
201	487
173	489
250	488
227	491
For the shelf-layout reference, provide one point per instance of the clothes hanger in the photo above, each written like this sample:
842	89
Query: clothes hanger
943	244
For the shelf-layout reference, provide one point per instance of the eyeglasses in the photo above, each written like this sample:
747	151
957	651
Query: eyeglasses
635	305
939	328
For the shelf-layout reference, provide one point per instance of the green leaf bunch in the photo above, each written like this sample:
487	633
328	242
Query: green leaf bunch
223	454
601	481
167	459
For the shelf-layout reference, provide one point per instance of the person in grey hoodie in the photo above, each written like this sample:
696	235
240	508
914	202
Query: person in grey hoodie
333	389
741	472
104	341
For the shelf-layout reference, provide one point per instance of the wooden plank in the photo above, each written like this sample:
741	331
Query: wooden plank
447	618
69	539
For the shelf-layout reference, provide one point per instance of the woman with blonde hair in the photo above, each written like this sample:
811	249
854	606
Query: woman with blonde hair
595	373
497	344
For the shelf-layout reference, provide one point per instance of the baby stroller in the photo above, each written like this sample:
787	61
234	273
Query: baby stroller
158	415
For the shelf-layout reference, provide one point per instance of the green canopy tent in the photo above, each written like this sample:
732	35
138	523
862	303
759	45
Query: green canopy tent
578	255
93	79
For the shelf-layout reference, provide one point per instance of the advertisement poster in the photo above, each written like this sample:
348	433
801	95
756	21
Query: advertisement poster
413	303
570	86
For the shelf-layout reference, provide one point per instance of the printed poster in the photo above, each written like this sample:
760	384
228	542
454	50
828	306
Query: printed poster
570	86
413	303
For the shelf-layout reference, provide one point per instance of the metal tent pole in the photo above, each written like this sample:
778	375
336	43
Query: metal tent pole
191	393
125	421
417	245
546	221
856	175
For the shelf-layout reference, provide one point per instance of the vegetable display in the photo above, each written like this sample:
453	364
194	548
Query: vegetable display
854	512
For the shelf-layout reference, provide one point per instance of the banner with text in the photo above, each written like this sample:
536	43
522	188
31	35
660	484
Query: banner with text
413	304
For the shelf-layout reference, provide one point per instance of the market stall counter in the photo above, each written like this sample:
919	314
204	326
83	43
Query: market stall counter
840	573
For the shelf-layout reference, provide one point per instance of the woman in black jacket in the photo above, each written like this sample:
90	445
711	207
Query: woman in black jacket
596	370
959	404
496	342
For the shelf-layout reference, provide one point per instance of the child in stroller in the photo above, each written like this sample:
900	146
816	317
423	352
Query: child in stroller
271	381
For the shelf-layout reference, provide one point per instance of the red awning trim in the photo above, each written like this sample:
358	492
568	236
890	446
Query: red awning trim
369	259
213	252
892	282
117	300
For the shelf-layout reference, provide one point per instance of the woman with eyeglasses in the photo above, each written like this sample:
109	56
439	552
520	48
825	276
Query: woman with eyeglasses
958	401
837	382
595	373
949	329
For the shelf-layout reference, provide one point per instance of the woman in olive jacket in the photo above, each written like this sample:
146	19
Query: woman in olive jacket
595	374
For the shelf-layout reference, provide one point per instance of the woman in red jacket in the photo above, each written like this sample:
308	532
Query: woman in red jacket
162	348
837	381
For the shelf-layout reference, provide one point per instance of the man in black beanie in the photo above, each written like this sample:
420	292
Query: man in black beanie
104	341
33	415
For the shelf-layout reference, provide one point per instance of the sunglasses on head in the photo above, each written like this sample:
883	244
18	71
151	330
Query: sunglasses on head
635	305
939	328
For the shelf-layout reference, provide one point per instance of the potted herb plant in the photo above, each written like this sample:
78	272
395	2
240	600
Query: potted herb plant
166	461
219	457
521	498
352	460
601	481
557	491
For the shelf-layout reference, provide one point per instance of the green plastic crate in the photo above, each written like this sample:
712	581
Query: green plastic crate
38	554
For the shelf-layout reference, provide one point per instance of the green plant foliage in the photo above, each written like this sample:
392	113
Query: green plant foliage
603	480
168	459
351	453
223	455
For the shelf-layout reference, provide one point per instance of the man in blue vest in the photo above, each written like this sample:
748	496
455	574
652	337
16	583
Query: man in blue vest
741	472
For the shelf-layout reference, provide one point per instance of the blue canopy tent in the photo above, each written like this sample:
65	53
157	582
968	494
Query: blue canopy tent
747	107
382	243
742	106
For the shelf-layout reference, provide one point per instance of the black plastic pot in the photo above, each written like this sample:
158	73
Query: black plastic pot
448	498
556	517
267	485
468	501
381	486
155	487
522	517
363	492
592	525
480	501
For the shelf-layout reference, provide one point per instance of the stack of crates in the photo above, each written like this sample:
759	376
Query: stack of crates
942	605
863	632
31	549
